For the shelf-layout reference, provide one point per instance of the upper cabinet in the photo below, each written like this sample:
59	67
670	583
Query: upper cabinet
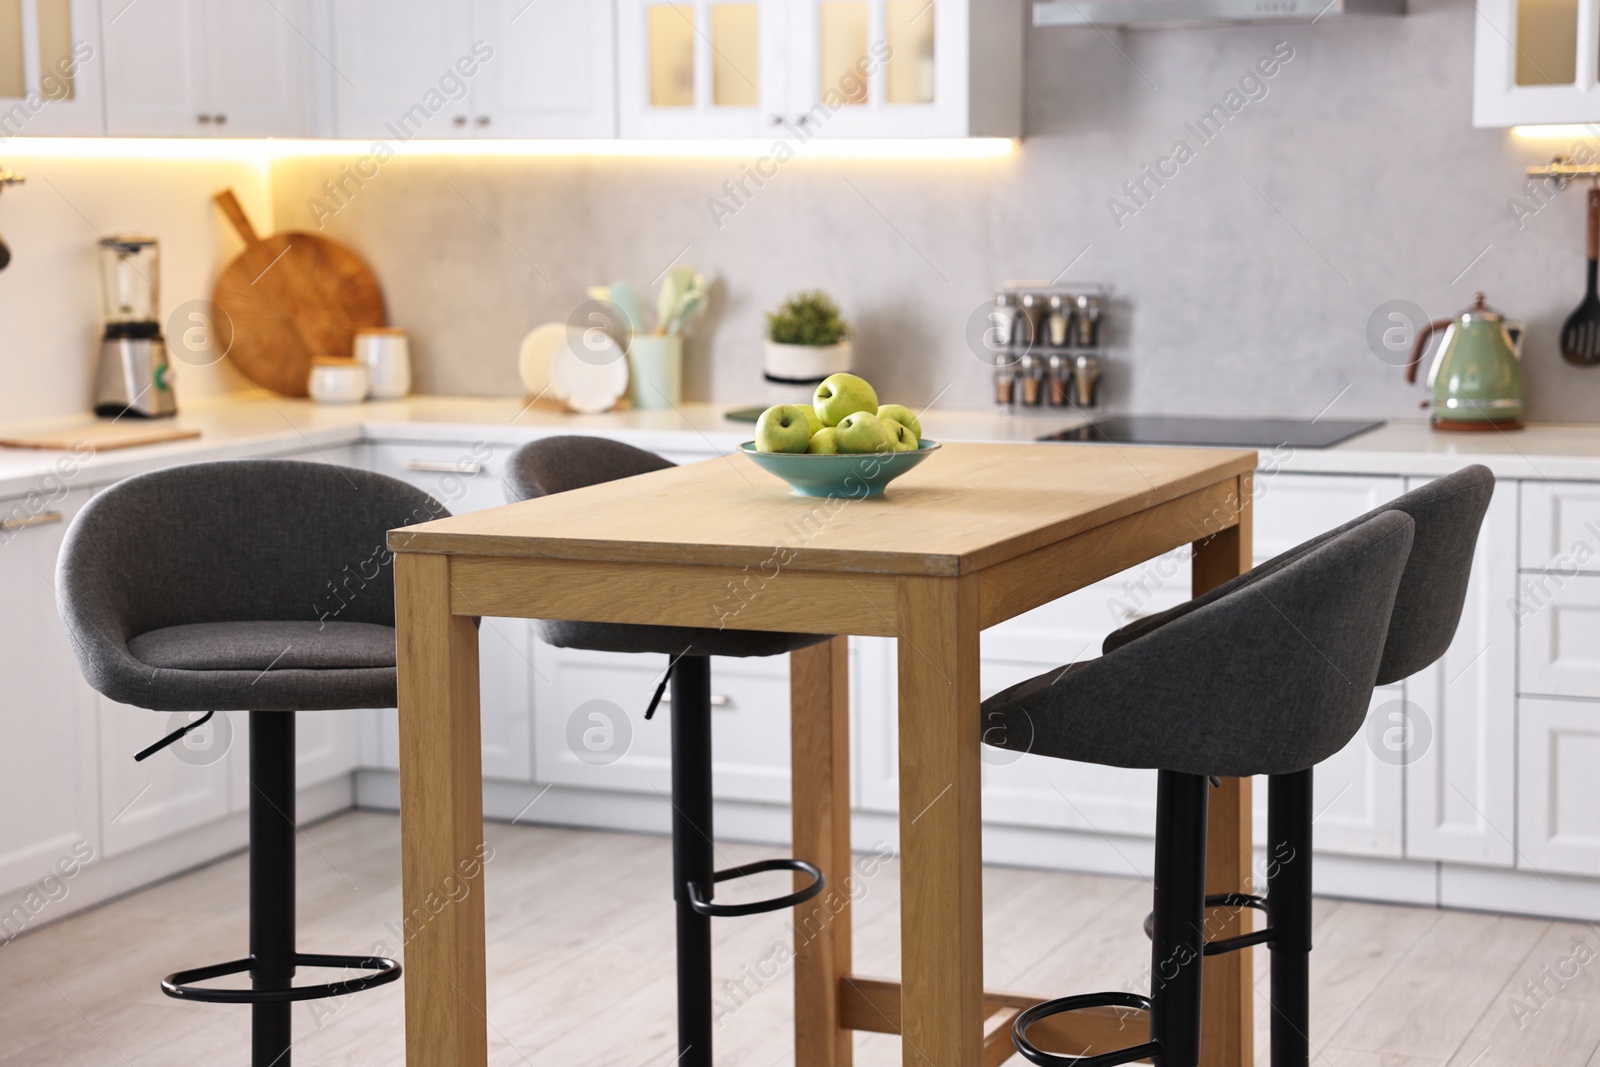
489	68
1536	62
51	63
207	68
831	68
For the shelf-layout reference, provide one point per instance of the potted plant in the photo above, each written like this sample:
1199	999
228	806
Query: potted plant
807	339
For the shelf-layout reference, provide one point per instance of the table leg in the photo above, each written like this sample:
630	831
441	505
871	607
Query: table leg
1228	1035
941	855
441	819
819	710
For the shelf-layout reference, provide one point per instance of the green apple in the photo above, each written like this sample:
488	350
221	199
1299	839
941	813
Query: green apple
843	394
904	416
825	442
783	428
811	418
901	439
860	431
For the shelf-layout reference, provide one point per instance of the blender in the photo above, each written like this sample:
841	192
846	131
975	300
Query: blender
135	377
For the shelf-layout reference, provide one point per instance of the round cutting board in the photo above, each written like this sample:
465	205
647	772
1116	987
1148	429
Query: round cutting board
291	297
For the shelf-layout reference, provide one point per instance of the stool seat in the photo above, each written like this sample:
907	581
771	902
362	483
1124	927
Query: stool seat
259	646
672	640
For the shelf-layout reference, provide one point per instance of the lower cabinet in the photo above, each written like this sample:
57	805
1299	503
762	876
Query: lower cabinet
1558	808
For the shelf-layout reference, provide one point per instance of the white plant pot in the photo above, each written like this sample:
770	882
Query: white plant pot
806	363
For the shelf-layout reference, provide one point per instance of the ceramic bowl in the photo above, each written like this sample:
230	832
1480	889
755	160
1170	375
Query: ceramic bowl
858	475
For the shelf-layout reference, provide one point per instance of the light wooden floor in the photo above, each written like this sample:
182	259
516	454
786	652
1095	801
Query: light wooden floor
580	964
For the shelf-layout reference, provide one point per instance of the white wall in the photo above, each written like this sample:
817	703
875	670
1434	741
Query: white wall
50	316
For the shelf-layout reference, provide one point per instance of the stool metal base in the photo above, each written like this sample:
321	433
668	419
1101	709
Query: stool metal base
381	971
1019	1031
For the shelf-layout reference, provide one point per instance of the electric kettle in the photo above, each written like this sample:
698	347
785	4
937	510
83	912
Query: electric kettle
1477	376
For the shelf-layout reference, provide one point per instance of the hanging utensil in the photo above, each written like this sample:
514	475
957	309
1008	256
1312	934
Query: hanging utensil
1580	337
7	178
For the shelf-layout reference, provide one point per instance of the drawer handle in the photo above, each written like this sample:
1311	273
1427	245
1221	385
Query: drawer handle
438	467
44	518
717	700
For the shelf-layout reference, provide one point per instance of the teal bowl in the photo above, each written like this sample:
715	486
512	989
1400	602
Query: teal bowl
856	475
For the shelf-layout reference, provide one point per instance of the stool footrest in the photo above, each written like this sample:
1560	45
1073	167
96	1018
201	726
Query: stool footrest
699	902
1217	900
379	970
1019	1031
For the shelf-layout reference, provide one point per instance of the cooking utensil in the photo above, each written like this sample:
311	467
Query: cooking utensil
134	376
1476	378
291	297
102	436
1580	336
682	297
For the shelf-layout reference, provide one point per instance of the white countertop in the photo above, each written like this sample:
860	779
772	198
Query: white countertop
242	427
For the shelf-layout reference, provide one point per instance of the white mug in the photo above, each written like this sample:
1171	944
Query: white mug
386	354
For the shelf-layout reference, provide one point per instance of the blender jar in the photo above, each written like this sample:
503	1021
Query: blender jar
130	278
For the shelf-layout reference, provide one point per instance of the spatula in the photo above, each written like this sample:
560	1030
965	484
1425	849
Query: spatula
1580	337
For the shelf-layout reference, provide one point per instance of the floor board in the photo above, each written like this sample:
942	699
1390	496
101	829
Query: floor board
580	964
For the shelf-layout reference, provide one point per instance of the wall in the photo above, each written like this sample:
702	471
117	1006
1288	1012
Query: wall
50	294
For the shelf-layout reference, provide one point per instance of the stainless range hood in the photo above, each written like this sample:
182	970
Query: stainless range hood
1136	13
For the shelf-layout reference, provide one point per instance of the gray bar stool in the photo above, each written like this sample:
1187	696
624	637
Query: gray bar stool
561	464
1270	678
259	586
1447	513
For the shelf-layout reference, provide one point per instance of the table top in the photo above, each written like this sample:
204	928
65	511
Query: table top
967	507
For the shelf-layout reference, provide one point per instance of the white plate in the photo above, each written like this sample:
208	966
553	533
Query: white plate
538	351
593	382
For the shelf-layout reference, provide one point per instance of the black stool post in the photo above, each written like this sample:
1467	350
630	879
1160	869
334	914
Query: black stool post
1289	818
271	880
692	853
1179	941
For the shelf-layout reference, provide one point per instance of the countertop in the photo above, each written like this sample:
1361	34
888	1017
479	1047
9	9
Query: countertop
257	426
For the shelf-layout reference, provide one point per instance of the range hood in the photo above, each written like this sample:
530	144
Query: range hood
1178	12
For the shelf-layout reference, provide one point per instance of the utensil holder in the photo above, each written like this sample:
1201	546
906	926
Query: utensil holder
655	368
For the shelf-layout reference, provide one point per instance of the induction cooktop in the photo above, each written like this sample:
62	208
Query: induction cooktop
1238	433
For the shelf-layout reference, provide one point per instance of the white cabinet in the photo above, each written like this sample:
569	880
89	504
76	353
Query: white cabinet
466	477
1460	785
795	69
1560	530
1558	622
489	68
1558	810
51	61
221	68
48	784
1535	62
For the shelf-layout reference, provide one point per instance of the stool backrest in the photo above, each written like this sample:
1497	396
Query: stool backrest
557	464
1271	678
241	540
1448	513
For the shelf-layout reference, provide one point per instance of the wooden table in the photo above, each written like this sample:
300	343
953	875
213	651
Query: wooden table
974	536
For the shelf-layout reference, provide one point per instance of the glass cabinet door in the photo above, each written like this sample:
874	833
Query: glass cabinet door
49	68
1536	62
873	68
700	68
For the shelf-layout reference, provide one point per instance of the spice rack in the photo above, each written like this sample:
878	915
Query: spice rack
1047	343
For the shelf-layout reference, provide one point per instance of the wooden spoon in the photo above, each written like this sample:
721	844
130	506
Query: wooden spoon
1580	337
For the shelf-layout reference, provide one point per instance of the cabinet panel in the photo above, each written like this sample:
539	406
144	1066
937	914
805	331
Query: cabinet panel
49	786
1558	621
395	73
1290	509
155	68
51	65
675	80
1558	811
553	71
1460	787
1560	526
591	731
186	784
1535	62
257	67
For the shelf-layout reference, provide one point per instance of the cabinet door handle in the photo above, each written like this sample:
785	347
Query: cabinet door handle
204	120
220	120
482	120
437	467
459	120
717	700
44	518
774	120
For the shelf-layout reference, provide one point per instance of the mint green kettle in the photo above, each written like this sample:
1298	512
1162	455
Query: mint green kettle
1477	376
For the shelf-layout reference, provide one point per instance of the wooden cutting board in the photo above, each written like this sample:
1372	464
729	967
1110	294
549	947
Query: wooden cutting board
102	436
289	298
